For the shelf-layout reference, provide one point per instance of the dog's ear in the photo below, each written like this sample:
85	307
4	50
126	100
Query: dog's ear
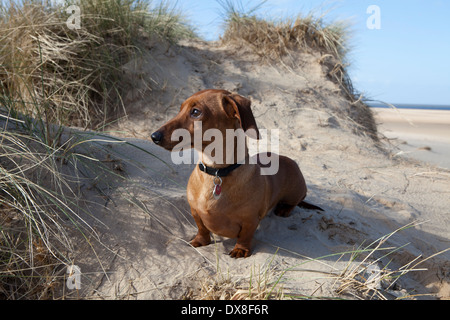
241	110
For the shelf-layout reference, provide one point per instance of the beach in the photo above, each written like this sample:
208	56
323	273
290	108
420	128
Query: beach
383	233
368	193
418	133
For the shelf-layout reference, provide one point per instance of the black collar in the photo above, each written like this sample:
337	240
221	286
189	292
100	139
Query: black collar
222	172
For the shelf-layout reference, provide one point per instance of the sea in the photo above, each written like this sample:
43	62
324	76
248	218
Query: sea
409	106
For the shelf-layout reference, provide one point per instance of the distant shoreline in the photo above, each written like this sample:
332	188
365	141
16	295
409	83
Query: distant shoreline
410	106
419	133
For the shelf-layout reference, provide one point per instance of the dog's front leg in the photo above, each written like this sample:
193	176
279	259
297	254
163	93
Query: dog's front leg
203	237
242	249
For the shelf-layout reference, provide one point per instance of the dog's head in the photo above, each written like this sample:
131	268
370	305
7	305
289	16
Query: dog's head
213	109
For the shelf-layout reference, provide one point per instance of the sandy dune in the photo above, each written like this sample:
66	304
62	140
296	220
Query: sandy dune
143	224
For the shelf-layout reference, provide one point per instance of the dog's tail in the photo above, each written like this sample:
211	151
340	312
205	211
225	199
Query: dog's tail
307	205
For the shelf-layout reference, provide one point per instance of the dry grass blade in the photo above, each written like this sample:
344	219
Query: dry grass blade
367	279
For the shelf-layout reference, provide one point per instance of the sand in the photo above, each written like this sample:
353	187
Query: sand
138	245
419	134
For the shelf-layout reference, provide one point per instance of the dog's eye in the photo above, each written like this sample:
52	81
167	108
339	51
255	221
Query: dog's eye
195	113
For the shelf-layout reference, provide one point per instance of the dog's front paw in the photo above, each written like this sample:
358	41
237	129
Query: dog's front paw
240	253
200	242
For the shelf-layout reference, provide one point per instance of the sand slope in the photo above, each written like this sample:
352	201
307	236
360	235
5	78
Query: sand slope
143	225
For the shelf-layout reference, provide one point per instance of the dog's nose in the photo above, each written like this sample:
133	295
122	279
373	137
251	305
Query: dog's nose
157	137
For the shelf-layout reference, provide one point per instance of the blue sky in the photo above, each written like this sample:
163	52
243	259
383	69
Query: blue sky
407	60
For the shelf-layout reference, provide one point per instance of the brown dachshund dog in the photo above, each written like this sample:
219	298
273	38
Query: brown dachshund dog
228	195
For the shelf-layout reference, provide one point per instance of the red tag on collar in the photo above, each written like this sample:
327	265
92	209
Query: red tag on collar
217	190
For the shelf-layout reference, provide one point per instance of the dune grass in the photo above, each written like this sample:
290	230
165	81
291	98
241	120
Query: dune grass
50	76
369	274
75	74
272	40
41	204
34	199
